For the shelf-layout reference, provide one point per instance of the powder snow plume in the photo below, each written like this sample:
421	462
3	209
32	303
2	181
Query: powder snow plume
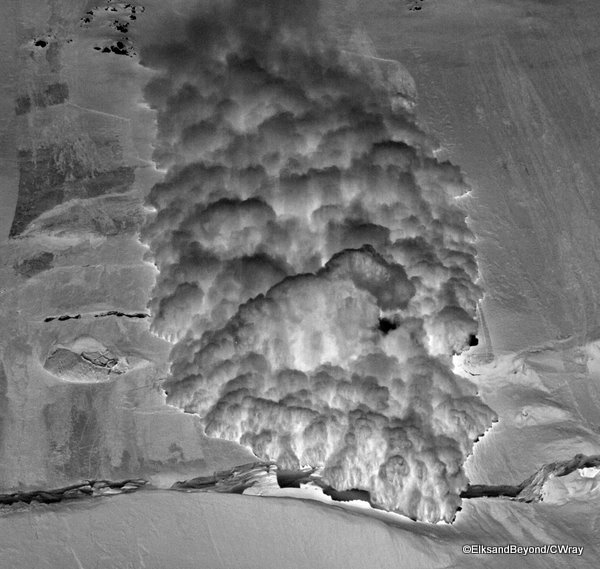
301	207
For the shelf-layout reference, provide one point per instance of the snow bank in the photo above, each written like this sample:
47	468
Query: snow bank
154	530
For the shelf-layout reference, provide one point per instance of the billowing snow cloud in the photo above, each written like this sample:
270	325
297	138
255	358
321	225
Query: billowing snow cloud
301	207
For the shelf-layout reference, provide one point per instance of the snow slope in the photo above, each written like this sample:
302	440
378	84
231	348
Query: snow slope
510	89
155	530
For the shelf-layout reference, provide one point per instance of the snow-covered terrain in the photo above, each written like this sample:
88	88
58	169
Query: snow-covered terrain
509	88
159	529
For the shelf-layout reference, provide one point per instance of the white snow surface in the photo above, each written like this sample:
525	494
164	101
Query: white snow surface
156	530
510	89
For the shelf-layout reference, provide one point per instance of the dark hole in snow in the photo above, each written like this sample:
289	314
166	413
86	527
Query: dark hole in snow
347	495
385	325
295	478
117	313
473	340
291	478
41	43
118	50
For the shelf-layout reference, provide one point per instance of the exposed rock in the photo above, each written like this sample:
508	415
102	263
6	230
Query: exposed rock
233	481
117	17
116	313
85	361
122	314
532	489
62	318
266	474
90	488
